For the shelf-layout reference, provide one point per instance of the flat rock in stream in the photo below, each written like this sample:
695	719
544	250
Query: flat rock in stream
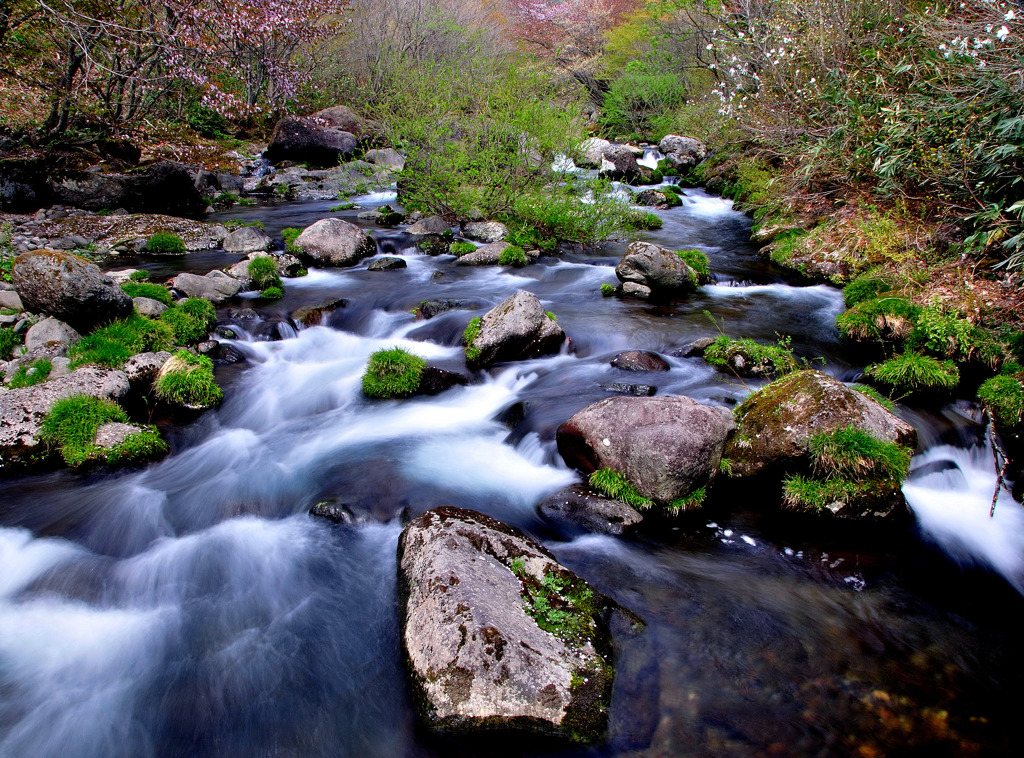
582	509
484	646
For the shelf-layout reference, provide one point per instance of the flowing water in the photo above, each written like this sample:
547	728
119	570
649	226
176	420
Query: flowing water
194	608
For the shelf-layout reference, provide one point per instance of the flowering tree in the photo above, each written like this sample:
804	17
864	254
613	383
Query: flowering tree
567	30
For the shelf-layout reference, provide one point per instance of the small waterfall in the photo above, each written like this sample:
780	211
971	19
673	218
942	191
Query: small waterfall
651	157
950	490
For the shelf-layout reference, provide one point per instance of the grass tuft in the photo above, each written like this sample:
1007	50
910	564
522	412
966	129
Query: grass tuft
911	371
392	372
852	452
752	358
191	320
153	291
289	236
513	255
27	376
187	379
263	272
875	395
1003	397
696	260
166	243
469	335
459	249
616	486
71	426
111	345
607	290
272	293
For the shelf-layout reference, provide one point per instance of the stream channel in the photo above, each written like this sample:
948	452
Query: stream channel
194	608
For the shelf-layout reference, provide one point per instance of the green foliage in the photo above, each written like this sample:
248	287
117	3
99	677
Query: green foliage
815	494
470	334
912	371
953	337
187	380
343	207
207	122
696	260
561	604
392	372
35	373
237	223
263	272
153	291
226	200
247	201
864	287
8	339
272	293
166	243
190	320
607	290
513	255
71	426
138	447
851	452
551	315
672	198
111	345
786	245
616	486
139	276
758	359
289	235
459	249
1003	397
640	105
875	395
879	319
694	500
643	220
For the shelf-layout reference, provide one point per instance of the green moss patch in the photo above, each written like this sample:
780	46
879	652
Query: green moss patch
187	380
111	345
560	603
272	293
607	290
459	249
513	255
469	335
696	260
1003	397
750	358
864	287
152	291
392	372
8	340
289	235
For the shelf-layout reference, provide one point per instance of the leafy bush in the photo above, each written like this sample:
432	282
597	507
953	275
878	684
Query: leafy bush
166	243
913	371
513	255
272	293
111	345
953	337
392	373
26	376
190	320
459	249
187	379
263	272
289	235
639	104
153	291
71	426
1003	397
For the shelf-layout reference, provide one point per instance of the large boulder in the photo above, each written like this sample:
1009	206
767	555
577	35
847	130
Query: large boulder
164	187
514	330
592	152
485	231
777	423
683	152
22	410
69	288
430	225
216	286
245	240
667	447
334	242
347	120
388	158
619	162
304	140
50	330
657	268
497	633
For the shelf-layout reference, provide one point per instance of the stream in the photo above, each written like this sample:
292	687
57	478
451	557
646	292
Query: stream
193	608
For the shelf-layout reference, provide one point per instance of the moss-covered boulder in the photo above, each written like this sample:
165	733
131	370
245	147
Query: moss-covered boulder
775	426
497	634
516	329
661	270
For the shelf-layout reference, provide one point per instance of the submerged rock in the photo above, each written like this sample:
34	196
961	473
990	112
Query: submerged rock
334	242
497	634
314	315
777	423
387	263
430	308
580	508
640	360
69	288
667	447
514	330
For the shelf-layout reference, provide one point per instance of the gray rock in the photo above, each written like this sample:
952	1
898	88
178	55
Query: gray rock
592	152
334	242
656	267
640	360
666	447
164	187
303	140
695	348
69	288
289	265
485	231
388	157
387	263
430	225
581	508
486	255
9	299
142	369
122	276
633	289
650	197
149	307
347	120
778	422
314	315
22	410
477	657
515	329
50	330
683	152
434	381
61	366
245	240
430	308
113	433
216	286
622	388
619	163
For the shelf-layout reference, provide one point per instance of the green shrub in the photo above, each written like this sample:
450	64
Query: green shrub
248	201
272	293
864	287
392	372
616	486
607	290
289	236
263	272
879	319
187	379
166	243
190	320
139	276
643	220
696	260
36	373
953	337
111	345
1003	397
459	249
758	360
639	103
513	255
470	334
343	207
71	426
153	291
672	198
226	200
911	371
8	339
